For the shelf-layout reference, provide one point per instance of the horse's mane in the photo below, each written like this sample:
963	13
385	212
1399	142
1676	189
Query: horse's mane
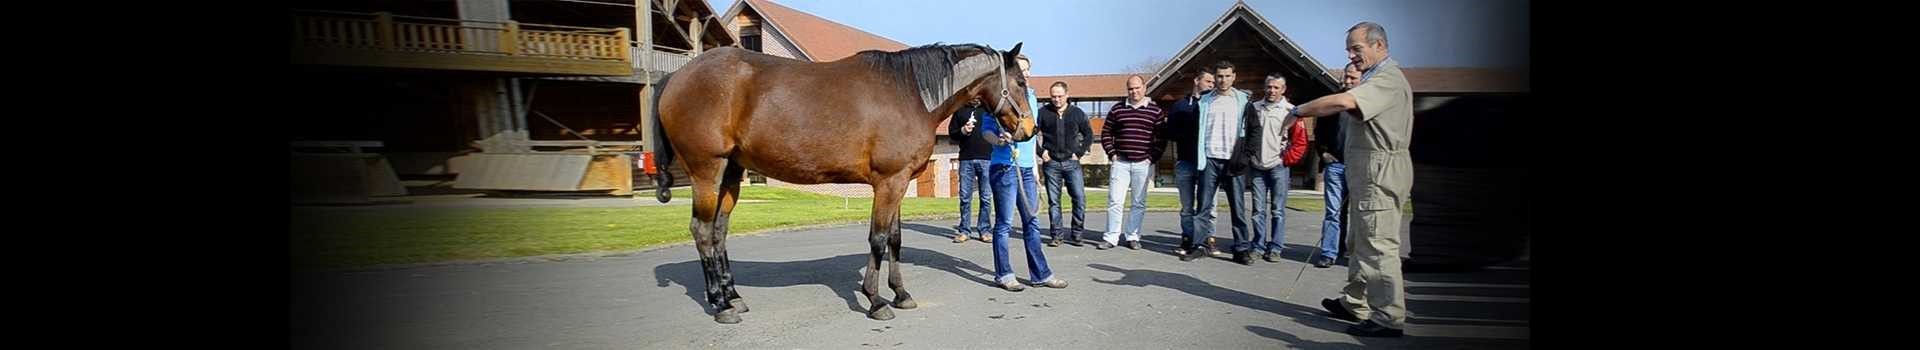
930	69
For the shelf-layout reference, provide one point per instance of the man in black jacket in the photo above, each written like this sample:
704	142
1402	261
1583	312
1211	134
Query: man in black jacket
1182	120
1064	137
975	158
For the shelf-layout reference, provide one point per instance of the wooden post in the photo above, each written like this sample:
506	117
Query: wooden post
643	26
383	26
510	38
693	30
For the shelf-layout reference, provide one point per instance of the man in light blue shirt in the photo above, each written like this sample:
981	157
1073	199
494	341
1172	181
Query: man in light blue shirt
1221	135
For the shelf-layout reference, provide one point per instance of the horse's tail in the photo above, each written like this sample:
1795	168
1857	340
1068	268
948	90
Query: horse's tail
662	150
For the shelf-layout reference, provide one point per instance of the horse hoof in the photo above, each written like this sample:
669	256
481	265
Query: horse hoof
905	304
728	316
739	304
882	313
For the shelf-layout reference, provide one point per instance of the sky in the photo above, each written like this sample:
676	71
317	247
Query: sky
1108	36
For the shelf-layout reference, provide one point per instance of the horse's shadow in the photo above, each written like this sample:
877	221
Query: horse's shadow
930	230
842	274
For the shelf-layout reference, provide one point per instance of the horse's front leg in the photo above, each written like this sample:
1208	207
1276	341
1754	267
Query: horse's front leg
901	299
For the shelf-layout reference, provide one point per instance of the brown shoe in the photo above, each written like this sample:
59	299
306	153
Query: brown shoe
986	238
960	238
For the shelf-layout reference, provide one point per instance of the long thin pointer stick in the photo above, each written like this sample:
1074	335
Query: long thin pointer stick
1296	282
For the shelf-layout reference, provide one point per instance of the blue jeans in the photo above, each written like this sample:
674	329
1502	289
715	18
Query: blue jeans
1269	209
1330	232
1186	180
1067	171
1212	179
1126	176
974	175
1004	178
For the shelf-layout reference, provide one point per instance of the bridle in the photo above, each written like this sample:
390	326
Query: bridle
1006	92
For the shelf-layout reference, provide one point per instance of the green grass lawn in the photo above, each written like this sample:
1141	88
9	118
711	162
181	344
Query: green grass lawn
337	238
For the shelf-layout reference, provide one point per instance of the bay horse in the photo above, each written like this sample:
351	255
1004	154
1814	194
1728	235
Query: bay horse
868	119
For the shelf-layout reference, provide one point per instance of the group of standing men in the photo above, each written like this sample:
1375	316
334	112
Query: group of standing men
1227	139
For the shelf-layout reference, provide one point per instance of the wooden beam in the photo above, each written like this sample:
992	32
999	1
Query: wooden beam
693	30
679	32
646	117
324	144
668	6
448	61
716	25
644	14
643	32
581	143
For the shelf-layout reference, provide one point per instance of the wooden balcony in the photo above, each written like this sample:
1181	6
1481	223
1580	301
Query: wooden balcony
393	41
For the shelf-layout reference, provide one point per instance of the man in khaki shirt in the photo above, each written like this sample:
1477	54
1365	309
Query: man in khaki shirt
1379	176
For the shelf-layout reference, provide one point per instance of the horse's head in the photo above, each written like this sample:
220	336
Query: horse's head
1006	94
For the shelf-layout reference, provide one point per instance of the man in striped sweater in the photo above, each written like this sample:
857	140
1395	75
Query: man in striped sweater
1128	138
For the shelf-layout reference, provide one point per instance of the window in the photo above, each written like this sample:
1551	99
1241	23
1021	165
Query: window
751	42
1094	109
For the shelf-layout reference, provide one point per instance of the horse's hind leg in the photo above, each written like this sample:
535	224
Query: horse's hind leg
729	196
886	210
707	235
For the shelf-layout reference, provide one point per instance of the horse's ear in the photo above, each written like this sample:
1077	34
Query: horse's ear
1016	50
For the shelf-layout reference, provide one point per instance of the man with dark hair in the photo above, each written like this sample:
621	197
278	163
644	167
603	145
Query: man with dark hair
1221	135
975	160
1181	128
1279	142
1065	136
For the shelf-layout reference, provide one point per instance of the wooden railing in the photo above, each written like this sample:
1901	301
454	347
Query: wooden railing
664	59
385	31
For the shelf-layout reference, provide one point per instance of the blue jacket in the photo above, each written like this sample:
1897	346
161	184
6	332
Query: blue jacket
1003	154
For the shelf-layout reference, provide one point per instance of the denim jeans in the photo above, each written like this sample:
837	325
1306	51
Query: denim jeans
1068	173
1186	180
1330	229
1005	177
974	177
1213	179
1269	209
